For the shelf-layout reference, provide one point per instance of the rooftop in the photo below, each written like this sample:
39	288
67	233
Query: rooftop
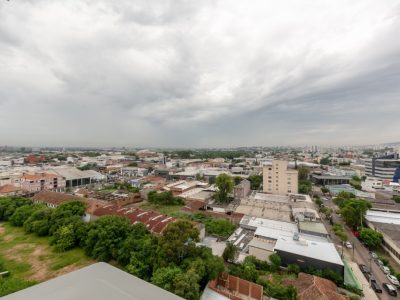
154	221
318	250
383	217
314	287
267	228
313	227
99	281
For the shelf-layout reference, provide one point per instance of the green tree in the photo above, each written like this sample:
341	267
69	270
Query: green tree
371	238
22	214
177	241
305	186
164	198
64	238
39	222
294	269
224	184
324	189
304	173
186	285
237	180
105	236
165	277
353	212
255	181
135	242
8	205
275	260
220	227
319	202
326	161
230	252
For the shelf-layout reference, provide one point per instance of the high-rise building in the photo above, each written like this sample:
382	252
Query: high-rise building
384	167
279	179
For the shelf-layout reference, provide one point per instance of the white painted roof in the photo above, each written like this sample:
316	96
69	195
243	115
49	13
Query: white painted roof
313	249
383	217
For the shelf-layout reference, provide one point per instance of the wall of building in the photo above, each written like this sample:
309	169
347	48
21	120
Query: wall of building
278	179
306	262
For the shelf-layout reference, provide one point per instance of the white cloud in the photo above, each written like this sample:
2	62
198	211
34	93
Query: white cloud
185	73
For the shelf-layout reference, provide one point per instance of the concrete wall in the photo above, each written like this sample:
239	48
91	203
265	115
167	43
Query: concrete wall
277	179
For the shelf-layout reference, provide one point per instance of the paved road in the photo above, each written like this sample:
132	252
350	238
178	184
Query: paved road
359	254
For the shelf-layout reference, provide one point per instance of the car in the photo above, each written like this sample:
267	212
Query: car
393	279
385	269
364	269
373	255
348	245
375	286
379	262
390	289
370	278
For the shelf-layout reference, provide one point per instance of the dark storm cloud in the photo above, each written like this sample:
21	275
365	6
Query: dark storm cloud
198	73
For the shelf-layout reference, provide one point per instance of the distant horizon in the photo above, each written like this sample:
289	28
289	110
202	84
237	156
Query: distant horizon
388	144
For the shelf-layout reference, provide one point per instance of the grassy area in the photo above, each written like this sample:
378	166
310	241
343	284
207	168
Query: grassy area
30	259
163	209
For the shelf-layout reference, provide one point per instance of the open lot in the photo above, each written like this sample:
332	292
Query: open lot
31	259
162	209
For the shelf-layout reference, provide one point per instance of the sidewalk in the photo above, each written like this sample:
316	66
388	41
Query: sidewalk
369	293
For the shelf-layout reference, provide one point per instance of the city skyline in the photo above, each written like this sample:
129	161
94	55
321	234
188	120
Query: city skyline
198	74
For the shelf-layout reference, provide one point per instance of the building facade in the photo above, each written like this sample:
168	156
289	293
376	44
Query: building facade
384	167
279	179
242	190
41	182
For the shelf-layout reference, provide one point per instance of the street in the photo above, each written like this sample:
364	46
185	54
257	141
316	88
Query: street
359	254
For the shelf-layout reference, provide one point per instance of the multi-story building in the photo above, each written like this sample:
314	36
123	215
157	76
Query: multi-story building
279	179
41	182
384	167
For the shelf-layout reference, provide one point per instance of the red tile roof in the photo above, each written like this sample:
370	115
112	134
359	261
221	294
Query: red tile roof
8	188
55	198
155	222
39	176
314	287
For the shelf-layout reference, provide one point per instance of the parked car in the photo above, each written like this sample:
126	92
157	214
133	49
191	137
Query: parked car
375	286
370	278
379	262
373	255
390	289
348	245
364	269
393	279
385	269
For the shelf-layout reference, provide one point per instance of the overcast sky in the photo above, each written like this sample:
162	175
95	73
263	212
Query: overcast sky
199	73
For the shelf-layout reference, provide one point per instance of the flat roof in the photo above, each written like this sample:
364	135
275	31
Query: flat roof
313	227
260	244
318	250
269	228
99	281
70	173
383	217
329	176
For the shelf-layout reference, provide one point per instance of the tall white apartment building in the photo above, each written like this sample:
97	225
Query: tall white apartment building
279	179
